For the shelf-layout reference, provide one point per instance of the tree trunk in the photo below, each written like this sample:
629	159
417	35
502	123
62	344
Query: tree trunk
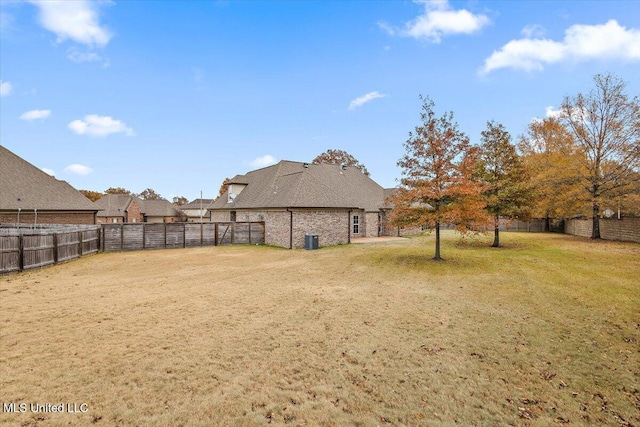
496	232
595	232
437	255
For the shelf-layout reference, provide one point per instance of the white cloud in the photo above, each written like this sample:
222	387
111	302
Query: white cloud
35	114
49	171
94	125
581	43
358	102
76	20
551	113
5	88
77	56
439	19
77	169
533	30
387	28
264	161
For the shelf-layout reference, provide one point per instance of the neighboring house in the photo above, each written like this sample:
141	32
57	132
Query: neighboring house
124	208
198	210
119	208
161	211
28	195
335	202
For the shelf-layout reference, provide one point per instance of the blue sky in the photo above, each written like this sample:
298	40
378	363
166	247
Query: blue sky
178	95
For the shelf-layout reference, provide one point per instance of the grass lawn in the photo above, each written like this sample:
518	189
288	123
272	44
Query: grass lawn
544	331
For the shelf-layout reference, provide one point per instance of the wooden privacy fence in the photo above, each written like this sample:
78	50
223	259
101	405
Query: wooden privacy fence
22	248
132	237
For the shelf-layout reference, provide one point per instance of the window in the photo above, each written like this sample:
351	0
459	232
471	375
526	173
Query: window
356	224
232	216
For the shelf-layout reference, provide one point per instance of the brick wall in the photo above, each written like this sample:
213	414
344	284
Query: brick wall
371	224
331	226
49	217
134	213
219	216
276	227
624	230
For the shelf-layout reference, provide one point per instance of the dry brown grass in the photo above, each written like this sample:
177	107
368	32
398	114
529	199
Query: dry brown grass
543	332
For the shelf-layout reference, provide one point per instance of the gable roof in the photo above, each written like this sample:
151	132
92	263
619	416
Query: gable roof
158	208
114	205
196	204
23	185
302	185
117	204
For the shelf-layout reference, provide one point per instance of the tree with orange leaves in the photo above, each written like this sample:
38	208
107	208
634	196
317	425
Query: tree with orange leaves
605	125
438	185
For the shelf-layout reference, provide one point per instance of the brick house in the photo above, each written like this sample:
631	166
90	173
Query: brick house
119	208
161	211
29	195
197	210
293	199
123	208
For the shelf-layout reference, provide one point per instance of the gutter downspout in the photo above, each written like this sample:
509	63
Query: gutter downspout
290	228
349	226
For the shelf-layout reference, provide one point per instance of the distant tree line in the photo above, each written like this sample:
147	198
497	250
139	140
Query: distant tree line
146	194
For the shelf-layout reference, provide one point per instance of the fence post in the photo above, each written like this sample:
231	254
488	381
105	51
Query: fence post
144	236
215	238
55	248
249	232
80	238
165	235
184	235
201	234
20	251
233	232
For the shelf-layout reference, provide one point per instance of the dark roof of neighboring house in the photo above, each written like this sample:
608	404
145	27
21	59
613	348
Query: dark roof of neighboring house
114	205
302	185
159	208
23	185
196	204
117	204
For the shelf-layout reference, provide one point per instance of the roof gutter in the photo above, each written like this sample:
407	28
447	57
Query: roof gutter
290	228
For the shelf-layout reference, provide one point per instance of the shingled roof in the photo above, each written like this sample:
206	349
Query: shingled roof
197	203
113	205
117	204
159	208
23	185
302	185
